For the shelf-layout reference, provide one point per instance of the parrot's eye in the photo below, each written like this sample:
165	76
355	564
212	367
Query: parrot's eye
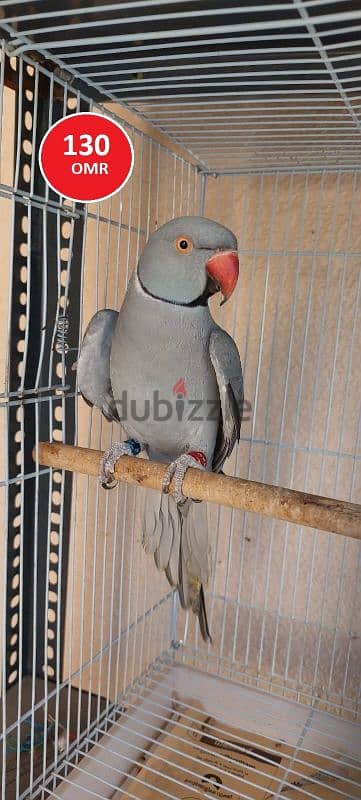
184	245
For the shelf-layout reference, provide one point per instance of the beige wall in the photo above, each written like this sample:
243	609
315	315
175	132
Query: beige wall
293	595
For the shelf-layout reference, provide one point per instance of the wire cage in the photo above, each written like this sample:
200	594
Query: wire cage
249	115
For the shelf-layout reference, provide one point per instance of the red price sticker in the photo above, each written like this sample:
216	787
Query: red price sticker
86	157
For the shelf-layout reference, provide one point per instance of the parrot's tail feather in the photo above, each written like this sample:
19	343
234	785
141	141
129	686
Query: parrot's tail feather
172	568
152	530
177	535
202	616
182	582
163	551
193	596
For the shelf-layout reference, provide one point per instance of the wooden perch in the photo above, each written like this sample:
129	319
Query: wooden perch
335	516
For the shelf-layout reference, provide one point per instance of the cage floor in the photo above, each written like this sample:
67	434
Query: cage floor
184	734
30	711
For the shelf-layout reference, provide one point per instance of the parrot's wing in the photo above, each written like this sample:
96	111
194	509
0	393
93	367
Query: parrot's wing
93	366
227	366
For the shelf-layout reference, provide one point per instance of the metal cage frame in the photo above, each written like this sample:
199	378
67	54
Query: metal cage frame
161	64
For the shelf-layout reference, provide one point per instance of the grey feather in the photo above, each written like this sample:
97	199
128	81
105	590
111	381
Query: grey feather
182	577
196	544
200	610
163	551
227	366
190	590
152	530
178	538
172	569
194	561
93	366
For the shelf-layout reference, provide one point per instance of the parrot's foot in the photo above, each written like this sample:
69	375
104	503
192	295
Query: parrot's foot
129	448
178	469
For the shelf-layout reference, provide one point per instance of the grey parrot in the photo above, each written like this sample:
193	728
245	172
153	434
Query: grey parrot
172	377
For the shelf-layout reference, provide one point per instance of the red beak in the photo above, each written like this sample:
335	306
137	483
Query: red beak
223	268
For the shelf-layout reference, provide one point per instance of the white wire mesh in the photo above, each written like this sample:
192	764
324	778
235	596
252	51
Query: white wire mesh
284	602
151	737
256	86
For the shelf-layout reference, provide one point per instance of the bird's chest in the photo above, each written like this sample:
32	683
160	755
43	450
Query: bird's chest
164	383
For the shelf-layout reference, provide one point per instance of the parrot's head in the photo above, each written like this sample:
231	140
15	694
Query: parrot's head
189	259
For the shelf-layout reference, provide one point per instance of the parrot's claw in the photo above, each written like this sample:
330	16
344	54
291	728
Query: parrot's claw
110	458
178	469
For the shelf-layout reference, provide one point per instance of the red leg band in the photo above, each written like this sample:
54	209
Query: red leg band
198	456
